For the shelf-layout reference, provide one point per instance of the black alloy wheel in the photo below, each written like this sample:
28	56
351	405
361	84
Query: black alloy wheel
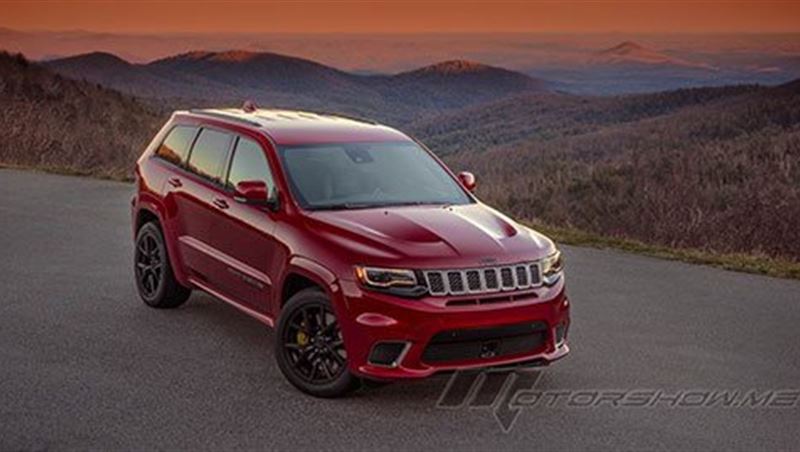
149	264
310	348
313	344
155	280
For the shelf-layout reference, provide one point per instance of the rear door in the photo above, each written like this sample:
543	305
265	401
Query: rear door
172	155
196	204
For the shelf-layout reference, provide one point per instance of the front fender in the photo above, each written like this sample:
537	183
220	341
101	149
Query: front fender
314	271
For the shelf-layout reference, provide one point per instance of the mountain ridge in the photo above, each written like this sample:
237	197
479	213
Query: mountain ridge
283	80
457	66
633	53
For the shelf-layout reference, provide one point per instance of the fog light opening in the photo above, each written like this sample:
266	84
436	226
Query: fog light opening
388	354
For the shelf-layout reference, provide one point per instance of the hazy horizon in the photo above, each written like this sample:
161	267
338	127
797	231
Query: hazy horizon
393	52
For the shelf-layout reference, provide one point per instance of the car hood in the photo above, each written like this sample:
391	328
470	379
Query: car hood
472	235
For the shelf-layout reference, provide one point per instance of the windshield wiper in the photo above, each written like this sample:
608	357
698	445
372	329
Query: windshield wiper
365	205
413	203
345	206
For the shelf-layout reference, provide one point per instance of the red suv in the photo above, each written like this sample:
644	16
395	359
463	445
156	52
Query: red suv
371	258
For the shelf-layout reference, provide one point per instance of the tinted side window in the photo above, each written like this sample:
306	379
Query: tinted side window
249	163
175	147
209	154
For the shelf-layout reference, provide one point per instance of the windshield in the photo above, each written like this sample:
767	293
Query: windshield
364	175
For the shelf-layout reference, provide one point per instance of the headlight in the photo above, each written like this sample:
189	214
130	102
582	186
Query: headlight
399	282
552	268
384	278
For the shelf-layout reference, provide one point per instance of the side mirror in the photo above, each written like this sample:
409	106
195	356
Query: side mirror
468	180
254	192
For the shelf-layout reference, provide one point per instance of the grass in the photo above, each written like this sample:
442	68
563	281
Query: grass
741	262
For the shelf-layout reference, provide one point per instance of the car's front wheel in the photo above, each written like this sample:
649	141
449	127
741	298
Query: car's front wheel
309	346
155	280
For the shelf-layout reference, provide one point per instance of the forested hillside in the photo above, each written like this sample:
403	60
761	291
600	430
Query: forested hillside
716	169
54	123
548	116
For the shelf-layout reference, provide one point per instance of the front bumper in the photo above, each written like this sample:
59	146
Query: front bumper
369	318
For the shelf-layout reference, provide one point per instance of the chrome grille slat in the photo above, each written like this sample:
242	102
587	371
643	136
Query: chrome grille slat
456	281
536	275
436	284
495	278
523	276
472	281
507	280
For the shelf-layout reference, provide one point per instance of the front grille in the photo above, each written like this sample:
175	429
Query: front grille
482	280
485	343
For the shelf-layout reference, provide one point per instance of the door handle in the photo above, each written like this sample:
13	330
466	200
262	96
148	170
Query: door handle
175	182
221	203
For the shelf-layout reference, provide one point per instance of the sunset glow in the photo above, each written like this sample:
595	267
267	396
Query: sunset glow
401	17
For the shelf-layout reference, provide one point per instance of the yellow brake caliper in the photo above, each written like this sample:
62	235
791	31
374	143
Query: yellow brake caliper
302	338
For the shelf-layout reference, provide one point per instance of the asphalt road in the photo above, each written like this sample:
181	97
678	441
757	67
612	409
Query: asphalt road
85	365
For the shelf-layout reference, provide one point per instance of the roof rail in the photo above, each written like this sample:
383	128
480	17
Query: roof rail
346	116
223	115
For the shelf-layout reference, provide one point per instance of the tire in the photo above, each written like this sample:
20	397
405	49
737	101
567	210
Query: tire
155	280
309	347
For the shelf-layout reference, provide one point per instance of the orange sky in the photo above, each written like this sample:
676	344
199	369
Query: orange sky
401	17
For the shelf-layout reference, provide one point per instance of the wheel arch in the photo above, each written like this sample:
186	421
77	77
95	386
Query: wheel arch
146	215
303	273
149	212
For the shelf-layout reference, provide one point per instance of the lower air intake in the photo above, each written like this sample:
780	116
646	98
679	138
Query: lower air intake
485	343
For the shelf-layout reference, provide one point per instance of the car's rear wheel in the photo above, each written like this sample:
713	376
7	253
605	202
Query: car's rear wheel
309	346
155	280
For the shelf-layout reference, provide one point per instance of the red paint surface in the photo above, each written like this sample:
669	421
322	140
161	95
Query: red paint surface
244	254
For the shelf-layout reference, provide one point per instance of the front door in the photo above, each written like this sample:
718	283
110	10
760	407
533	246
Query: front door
251	250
